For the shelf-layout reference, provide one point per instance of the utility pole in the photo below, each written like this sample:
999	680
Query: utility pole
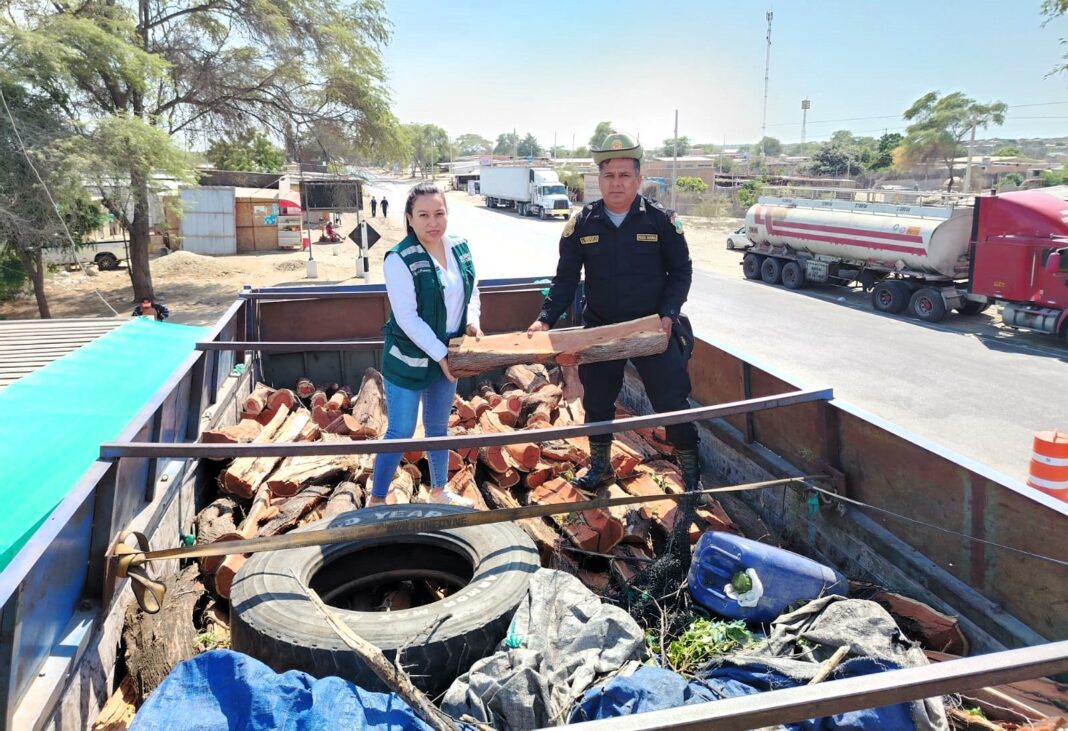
805	106
968	165
767	68
675	160
515	145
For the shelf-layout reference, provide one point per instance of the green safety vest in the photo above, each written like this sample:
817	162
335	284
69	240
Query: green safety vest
403	362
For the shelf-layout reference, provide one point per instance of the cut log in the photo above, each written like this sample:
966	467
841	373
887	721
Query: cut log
414	472
523	456
624	571
469	356
232	479
632	441
256	401
485	390
305	388
508	408
369	407
295	508
218	521
464	410
401	488
479	405
295	472
590	530
661	512
119	711
155	643
322	417
596	581
624	460
318	398
242	432
339	401
456	462
463	483
559	450
545	538
527	378
246	473
506	479
543	472
635	525
282	397
346	497
232	563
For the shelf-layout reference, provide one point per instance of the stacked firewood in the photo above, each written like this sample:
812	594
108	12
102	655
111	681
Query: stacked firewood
273	495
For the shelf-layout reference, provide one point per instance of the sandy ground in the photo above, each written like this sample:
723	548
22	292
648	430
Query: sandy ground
198	289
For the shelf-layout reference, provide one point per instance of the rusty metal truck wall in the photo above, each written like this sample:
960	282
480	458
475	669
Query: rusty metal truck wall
884	466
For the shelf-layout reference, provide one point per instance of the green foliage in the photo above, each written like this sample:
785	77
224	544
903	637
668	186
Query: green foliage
940	124
1007	151
13	276
249	150
748	193
884	159
691	184
429	145
506	144
724	164
582	151
1012	179
835	159
770	146
472	144
574	181
602	130
704	640
529	147
668	150
1052	177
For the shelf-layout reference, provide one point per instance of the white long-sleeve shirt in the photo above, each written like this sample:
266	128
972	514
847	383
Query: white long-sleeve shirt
401	290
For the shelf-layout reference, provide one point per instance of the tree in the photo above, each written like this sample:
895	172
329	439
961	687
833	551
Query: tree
602	130
529	147
152	68
691	184
724	163
1007	151
472	144
940	124
582	151
37	144
248	150
835	159
1054	9
506	144
559	151
429	145
771	146
748	193
668	150
884	158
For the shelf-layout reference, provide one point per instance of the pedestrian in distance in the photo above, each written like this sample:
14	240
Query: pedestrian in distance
636	263
433	294
374	207
150	308
385	207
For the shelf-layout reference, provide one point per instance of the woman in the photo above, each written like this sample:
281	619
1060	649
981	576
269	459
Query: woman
433	293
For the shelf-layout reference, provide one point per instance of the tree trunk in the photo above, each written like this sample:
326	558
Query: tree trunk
140	272
34	266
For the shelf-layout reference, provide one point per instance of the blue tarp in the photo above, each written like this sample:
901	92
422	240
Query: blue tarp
53	421
654	689
222	689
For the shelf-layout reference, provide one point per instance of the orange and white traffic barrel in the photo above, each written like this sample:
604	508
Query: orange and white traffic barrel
1049	464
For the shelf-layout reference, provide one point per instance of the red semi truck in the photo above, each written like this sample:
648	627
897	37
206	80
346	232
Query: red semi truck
921	255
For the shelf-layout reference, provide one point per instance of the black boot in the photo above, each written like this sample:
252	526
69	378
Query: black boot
690	462
600	471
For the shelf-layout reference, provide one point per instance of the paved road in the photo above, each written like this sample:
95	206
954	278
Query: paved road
977	388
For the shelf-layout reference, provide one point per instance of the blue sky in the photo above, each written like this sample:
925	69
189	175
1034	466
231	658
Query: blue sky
553	66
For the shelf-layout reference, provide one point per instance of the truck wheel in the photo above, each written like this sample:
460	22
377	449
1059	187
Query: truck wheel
889	296
973	307
771	270
928	305
541	214
751	265
486	567
730	244
793	275
106	262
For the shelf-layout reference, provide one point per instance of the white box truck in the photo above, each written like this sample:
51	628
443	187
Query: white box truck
529	190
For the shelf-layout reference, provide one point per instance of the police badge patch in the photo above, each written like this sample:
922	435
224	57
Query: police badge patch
569	228
677	222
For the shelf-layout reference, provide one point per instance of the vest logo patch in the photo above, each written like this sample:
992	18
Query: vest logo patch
649	237
416	266
589	239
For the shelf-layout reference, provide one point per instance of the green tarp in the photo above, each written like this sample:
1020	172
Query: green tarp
53	421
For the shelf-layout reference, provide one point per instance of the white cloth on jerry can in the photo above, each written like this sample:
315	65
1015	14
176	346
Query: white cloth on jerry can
561	641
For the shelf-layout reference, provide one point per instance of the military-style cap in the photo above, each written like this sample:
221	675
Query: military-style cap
615	145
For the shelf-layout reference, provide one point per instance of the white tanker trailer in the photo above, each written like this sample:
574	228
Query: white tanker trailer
892	249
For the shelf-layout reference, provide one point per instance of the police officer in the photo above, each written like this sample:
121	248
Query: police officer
636	263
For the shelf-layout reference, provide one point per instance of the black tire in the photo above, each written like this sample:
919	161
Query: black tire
793	275
730	244
771	270
973	307
274	621
751	265
541	214
106	262
890	296
928	305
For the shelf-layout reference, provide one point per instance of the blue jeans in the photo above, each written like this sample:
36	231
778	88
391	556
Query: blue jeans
402	405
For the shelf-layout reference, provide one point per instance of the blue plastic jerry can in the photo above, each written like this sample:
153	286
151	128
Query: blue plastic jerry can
743	579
